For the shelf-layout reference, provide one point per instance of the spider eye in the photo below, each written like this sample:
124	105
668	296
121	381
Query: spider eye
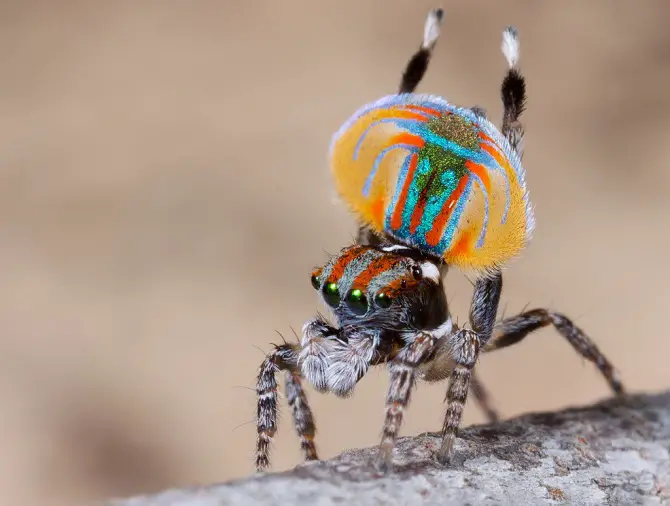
331	294
383	300
357	301
417	272
316	283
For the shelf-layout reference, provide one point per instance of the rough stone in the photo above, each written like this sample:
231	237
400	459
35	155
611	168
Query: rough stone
614	452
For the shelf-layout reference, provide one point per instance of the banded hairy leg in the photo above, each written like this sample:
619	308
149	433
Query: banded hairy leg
486	297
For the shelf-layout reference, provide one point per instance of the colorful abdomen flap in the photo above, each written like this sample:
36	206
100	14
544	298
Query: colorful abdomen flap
435	177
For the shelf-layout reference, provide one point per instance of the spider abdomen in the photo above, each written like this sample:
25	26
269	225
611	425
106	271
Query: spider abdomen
435	177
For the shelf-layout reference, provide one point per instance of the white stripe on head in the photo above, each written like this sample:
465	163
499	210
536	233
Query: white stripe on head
394	247
429	270
444	329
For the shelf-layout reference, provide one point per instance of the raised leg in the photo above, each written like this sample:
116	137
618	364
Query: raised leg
418	63
402	370
284	357
512	330
513	91
465	351
411	77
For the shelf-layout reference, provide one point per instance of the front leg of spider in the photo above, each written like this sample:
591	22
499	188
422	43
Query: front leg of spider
403	370
317	341
465	351
283	358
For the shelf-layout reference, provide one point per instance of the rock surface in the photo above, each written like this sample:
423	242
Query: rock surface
614	452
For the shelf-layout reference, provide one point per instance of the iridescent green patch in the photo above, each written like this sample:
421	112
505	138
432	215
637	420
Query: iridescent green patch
456	129
446	167
441	161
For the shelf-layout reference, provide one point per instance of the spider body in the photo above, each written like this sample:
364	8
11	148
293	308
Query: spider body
431	185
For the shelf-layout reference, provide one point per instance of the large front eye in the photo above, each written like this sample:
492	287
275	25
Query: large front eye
357	301
383	300
331	294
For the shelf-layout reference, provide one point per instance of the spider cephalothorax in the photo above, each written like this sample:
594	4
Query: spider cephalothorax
381	296
382	289
431	185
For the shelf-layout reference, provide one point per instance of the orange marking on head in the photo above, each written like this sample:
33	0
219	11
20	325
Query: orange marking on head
344	260
396	219
479	170
396	288
376	267
435	234
317	272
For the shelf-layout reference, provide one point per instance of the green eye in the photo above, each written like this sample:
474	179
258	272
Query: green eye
357	301
316	283
331	294
383	300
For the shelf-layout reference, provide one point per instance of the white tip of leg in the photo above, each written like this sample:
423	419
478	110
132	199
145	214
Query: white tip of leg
431	30
510	46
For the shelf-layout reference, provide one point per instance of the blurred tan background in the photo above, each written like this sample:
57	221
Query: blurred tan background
164	195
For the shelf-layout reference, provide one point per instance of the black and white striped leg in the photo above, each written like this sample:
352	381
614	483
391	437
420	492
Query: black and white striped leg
418	63
402	369
465	351
512	330
513	91
284	358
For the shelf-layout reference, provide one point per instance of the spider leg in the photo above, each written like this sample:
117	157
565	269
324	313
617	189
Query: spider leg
418	63
403	370
317	342
512	330
513	91
283	357
440	368
350	359
465	351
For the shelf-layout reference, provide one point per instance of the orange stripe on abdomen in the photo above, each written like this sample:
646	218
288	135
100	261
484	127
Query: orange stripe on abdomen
434	236
396	219
396	113
405	138
421	108
420	206
481	172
